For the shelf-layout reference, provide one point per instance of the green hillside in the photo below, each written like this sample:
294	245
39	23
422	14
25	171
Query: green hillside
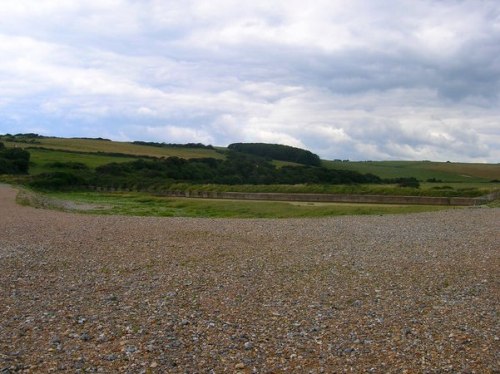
42	160
106	146
423	170
46	152
72	166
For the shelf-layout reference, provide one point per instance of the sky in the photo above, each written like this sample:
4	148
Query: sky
346	79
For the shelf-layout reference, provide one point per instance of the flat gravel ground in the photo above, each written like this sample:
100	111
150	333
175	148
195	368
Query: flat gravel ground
415	293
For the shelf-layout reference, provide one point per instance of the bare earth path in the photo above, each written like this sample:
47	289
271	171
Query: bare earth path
405	293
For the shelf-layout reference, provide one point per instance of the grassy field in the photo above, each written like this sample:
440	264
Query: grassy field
90	152
42	158
427	189
140	204
93	145
423	170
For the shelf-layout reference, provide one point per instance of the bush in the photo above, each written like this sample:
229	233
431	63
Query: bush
434	180
409	182
442	188
238	168
68	165
174	145
14	160
57	181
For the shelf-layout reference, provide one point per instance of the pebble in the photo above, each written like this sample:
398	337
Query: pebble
111	357
85	337
130	349
306	297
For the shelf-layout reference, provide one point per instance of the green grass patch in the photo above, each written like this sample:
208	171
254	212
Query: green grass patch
141	204
494	204
42	159
423	170
94	146
456	190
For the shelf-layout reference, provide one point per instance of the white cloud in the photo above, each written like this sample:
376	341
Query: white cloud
173	134
346	79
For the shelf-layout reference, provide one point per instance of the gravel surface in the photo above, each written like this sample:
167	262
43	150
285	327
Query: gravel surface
411	293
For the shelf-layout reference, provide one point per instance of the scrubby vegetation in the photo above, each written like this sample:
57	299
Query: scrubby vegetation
404	182
68	165
142	204
57	180
73	164
238	168
13	160
174	145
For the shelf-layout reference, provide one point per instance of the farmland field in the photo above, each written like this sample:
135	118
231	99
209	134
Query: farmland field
92	145
42	158
423	170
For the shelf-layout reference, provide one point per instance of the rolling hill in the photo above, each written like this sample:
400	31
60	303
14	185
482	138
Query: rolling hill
96	152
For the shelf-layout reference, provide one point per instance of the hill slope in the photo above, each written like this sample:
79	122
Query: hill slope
107	146
423	170
96	152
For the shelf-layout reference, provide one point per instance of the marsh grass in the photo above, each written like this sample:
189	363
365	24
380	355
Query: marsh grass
141	204
428	189
494	204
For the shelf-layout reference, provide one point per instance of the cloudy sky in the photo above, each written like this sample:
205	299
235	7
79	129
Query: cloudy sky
349	79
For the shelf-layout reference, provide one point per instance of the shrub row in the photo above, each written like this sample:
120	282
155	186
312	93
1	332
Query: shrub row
236	169
13	160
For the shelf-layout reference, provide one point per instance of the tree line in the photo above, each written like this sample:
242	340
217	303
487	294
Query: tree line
237	168
249	163
174	145
278	152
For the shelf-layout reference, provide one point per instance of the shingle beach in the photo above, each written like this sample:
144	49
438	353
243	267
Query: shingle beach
415	293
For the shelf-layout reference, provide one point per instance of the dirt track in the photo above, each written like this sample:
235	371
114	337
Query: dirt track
404	293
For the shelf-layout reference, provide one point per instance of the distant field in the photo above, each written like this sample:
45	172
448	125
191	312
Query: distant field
41	158
90	152
92	145
423	170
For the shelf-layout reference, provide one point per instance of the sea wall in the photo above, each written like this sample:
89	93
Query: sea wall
332	198
325	198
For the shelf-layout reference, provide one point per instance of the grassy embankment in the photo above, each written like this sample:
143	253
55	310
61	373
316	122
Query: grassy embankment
428	189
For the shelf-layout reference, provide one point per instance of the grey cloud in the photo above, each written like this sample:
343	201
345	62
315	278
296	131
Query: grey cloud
353	79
